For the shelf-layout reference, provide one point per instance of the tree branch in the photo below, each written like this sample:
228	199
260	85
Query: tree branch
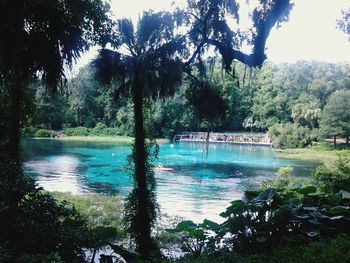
258	56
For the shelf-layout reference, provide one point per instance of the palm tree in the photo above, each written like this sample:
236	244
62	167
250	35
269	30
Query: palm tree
309	111
312	113
145	65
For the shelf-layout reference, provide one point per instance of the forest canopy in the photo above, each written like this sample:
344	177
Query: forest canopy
271	98
152	79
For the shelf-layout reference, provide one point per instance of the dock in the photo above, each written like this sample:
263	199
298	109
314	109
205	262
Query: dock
244	138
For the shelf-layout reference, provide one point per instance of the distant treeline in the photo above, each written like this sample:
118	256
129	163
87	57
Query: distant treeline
288	100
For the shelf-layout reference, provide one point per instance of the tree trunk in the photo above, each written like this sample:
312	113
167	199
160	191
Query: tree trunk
14	136
16	77
347	142
143	221
335	141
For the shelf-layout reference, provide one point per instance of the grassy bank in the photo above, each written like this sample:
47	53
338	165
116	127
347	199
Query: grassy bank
312	154
100	210
106	139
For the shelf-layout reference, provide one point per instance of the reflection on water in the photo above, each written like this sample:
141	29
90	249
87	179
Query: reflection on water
58	173
197	188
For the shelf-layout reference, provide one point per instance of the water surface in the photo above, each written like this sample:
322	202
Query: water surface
197	188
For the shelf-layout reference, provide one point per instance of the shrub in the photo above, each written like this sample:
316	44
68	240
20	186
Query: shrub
284	180
44	133
28	131
33	226
102	129
323	251
99	129
333	177
78	131
286	135
111	132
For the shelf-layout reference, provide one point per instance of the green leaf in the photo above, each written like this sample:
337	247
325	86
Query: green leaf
249	195
306	190
235	207
316	214
210	225
186	225
105	234
197	234
266	196
344	194
339	210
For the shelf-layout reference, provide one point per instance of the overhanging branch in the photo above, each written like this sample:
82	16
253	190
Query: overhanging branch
263	28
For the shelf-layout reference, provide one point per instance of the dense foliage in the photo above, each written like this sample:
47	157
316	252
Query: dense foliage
292	213
40	38
34	226
288	100
136	86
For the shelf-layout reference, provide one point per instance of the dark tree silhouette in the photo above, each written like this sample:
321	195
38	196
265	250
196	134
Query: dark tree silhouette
148	68
42	37
209	26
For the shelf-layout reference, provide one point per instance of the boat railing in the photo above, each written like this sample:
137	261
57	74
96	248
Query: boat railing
258	138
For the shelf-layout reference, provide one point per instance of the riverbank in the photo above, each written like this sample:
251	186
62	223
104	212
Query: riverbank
105	139
312	154
99	210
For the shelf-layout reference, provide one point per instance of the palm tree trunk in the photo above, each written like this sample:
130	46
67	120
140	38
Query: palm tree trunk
16	77
14	136
143	220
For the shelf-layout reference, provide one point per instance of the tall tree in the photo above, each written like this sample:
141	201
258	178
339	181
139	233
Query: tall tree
150	67
335	119
145	65
43	36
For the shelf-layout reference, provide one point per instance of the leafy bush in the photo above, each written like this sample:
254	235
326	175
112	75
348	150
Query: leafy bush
270	218
99	130
284	180
44	133
102	129
323	251
28	131
286	135
33	225
78	131
333	177
196	239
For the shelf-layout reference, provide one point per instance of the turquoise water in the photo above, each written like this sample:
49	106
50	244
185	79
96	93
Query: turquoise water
197	188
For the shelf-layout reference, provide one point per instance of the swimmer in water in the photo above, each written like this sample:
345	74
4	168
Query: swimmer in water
161	168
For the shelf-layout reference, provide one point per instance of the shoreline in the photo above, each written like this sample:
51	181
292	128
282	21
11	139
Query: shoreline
309	154
102	139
